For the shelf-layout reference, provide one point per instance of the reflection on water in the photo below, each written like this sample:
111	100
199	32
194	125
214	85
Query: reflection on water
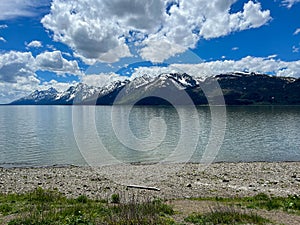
47	135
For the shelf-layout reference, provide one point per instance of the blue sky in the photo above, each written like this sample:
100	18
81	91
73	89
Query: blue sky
59	43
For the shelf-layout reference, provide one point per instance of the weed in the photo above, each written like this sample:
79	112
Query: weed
115	198
82	199
226	215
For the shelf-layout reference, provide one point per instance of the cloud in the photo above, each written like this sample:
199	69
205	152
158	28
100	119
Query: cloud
106	30
102	79
20	88
224	23
2	39
267	65
295	49
289	3
154	71
67	54
272	56
11	9
88	29
18	72
249	63
51	47
17	77
35	44
25	85
235	48
3	26
164	47
22	64
297	31
54	62
14	65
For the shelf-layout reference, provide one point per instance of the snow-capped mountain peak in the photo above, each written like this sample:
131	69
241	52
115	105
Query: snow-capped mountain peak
83	92
38	95
240	88
78	93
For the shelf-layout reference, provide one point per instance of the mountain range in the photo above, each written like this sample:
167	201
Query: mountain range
238	88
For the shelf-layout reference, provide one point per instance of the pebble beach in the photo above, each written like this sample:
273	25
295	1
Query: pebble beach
171	181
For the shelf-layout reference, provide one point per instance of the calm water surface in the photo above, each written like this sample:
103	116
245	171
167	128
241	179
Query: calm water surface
60	135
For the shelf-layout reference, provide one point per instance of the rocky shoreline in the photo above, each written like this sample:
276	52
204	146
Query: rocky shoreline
173	180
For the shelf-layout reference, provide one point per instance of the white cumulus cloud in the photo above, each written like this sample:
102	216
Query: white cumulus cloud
84	27
224	22
159	49
16	64
20	88
22	64
104	30
35	44
54	62
17	77
25	85
2	39
18	72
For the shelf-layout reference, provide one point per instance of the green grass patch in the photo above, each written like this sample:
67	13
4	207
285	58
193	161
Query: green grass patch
226	215
290	204
51	207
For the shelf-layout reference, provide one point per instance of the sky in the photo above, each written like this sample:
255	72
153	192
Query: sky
59	43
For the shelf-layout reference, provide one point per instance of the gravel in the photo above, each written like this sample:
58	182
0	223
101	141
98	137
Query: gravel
174	180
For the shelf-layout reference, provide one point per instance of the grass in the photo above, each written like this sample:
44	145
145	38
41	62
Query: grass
226	215
290	204
50	207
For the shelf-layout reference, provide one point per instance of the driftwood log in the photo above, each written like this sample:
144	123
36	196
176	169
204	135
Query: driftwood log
143	187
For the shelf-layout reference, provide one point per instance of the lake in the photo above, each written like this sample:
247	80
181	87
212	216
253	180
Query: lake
98	135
